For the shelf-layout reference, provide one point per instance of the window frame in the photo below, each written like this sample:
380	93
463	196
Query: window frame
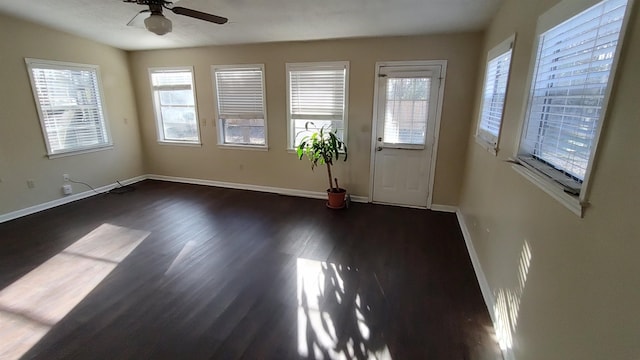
497	51
64	65
220	125
560	13
315	66
158	117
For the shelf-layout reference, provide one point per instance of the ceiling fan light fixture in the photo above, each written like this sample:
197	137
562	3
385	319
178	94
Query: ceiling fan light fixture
158	24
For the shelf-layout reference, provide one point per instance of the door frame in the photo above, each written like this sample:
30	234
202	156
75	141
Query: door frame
436	135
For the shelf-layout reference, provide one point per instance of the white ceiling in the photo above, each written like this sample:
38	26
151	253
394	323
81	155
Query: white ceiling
256	21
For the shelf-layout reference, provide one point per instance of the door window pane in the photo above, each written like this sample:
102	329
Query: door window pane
406	110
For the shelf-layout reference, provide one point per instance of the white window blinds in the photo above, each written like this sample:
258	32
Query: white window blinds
570	82
69	104
494	93
406	110
317	93
241	104
175	106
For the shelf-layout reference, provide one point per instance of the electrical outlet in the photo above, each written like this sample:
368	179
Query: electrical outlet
65	177
31	184
67	189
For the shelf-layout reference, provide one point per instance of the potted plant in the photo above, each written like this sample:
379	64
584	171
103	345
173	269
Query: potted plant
322	146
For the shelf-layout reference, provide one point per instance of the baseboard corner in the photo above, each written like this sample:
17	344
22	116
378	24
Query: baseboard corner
444	208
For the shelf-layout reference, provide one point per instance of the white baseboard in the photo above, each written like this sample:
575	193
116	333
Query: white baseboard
65	200
487	294
260	188
482	279
269	189
71	198
444	208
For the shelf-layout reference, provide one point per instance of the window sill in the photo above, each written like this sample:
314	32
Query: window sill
487	146
244	147
556	191
180	143
78	152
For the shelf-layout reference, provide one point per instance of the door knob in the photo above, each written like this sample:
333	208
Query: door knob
379	148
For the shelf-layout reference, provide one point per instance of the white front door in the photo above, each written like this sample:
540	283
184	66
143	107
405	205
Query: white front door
407	109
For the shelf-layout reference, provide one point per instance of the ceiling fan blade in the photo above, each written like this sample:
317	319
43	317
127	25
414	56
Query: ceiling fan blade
199	15
135	19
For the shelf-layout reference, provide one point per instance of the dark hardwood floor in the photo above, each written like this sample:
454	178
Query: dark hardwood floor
231	274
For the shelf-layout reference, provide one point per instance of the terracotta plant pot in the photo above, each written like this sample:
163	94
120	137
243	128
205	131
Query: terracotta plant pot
336	198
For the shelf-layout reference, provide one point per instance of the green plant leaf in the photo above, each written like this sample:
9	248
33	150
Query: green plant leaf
321	146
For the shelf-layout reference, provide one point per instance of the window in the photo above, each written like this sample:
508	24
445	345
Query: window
317	92
69	102
240	104
569	91
175	105
494	92
406	108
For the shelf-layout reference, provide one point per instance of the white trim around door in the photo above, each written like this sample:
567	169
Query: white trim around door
374	128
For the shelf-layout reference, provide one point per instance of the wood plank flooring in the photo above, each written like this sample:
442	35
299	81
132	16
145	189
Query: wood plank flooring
231	274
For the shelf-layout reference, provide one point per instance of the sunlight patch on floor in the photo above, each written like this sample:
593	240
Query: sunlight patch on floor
339	317
33	304
182	258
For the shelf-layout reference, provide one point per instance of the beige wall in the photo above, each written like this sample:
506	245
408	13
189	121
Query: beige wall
277	167
581	296
22	147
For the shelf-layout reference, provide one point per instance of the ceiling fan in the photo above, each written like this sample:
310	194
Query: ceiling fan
160	25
